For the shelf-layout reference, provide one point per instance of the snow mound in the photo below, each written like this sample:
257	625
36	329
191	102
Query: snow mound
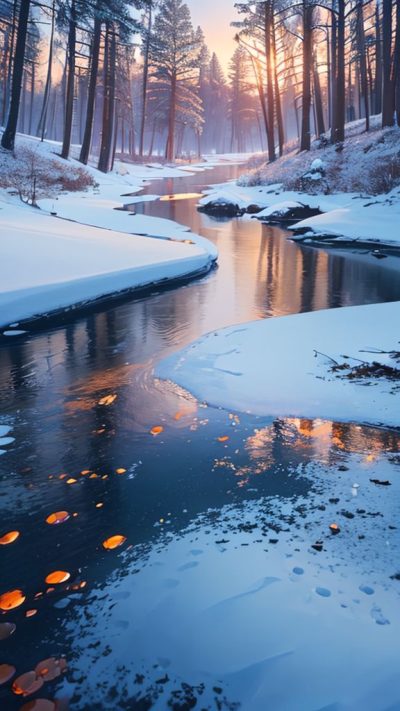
272	367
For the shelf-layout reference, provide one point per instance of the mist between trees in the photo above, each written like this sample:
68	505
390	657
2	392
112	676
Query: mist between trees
135	77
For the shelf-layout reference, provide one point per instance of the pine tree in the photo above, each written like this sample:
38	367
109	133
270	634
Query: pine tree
174	60
241	103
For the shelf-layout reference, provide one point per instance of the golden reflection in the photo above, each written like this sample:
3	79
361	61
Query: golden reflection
327	440
180	196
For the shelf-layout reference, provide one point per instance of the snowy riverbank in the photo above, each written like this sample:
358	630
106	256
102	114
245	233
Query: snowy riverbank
49	264
80	247
356	185
345	216
287	366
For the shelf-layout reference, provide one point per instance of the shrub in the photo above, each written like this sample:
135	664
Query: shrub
32	175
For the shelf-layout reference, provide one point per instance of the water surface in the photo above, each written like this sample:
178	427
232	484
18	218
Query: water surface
189	488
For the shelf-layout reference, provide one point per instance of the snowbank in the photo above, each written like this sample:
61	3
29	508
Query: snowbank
375	220
352	216
49	264
270	367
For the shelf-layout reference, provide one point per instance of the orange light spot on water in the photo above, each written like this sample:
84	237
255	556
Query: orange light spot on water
57	577
9	537
57	517
11	599
113	542
155	431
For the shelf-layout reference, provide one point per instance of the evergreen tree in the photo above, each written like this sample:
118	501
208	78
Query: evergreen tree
174	59
241	103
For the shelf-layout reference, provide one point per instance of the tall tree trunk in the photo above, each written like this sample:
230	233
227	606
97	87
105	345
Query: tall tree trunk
94	70
32	98
333	89
268	17
319	108
362	62
329	76
261	92
278	103
308	12
146	56
109	100
11	54
396	65
339	79
170	152
388	84
41	129
378	61
8	139
69	102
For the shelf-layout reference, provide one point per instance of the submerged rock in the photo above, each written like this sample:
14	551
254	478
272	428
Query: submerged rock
221	208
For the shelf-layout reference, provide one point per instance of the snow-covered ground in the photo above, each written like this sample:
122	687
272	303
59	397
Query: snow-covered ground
283	366
345	215
50	262
355	185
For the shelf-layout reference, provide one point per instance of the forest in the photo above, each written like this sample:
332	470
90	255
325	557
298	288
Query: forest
136	78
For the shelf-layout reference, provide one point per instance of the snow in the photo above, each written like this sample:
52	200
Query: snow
349	215
91	248
49	264
278	209
375	220
270	367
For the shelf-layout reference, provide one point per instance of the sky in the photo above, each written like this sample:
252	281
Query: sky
215	17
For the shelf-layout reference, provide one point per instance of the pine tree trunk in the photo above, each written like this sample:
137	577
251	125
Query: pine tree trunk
305	141
69	102
109	100
362	62
339	104
270	84
170	153
396	66
388	84
32	98
94	70
8	139
319	108
333	75
145	79
41	129
378	61
278	104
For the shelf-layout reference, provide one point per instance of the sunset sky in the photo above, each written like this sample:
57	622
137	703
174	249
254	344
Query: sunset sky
215	17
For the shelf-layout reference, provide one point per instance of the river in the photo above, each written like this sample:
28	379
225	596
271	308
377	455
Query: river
69	442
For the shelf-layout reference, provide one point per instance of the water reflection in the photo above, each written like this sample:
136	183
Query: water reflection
196	476
52	385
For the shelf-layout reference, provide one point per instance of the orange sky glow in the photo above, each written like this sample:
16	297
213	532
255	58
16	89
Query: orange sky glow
215	17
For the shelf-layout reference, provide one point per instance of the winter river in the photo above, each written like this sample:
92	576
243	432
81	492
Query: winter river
230	591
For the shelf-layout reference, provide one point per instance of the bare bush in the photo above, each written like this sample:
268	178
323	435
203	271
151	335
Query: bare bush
33	175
